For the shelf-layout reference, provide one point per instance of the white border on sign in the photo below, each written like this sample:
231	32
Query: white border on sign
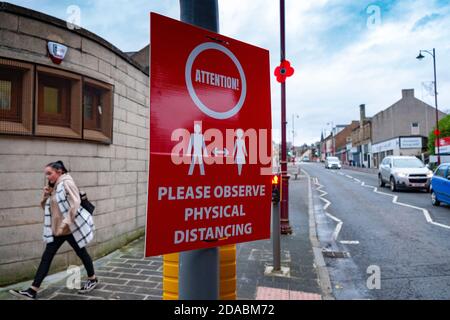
188	75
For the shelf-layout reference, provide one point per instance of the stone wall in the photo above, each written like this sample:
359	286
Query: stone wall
114	176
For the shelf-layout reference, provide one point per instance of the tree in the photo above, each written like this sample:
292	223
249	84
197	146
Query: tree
444	128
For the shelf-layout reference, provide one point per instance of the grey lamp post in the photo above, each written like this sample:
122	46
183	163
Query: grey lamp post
294	116
437	133
199	269
333	146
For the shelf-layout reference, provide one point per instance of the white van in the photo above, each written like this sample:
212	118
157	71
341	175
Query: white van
332	163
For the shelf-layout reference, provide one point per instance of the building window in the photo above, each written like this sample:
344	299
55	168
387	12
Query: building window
15	97
58	103
54	106
10	101
92	108
97	111
415	128
65	104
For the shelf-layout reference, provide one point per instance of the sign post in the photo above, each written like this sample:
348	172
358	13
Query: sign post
210	142
199	269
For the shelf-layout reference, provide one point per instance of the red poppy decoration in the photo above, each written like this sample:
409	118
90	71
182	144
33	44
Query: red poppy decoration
283	71
437	132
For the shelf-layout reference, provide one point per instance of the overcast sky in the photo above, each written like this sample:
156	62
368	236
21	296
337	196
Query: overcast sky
345	52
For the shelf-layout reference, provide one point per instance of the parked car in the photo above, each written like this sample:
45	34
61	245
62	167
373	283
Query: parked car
332	163
305	159
440	185
404	172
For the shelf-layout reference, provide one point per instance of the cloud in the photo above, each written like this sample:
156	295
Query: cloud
425	20
372	69
345	52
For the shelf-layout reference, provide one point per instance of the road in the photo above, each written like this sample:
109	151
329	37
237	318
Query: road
408	241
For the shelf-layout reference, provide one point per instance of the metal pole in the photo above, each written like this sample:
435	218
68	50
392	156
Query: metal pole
201	13
436	105
293	134
276	237
333	142
285	227
199	269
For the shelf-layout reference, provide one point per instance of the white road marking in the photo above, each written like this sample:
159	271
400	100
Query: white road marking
333	217
425	212
349	242
338	228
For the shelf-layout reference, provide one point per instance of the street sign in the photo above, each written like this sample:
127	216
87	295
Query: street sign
444	145
210	140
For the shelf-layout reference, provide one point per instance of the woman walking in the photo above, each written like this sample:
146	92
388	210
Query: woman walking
65	220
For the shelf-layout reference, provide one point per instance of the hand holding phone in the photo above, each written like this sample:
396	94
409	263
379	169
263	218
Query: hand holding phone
47	191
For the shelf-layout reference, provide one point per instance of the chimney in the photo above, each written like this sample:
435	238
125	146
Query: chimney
362	114
407	93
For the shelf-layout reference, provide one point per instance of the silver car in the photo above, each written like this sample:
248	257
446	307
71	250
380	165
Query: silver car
404	172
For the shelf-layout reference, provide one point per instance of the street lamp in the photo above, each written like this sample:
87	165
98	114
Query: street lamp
437	132
333	151
294	116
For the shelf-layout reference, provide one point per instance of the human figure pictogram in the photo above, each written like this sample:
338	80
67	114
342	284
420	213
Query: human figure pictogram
197	148
240	151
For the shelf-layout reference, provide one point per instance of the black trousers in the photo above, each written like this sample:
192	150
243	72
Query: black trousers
50	252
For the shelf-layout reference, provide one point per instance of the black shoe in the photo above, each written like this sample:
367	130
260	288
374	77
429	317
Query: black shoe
88	286
28	294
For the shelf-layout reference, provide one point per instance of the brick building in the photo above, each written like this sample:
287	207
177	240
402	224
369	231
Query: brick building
362	140
344	143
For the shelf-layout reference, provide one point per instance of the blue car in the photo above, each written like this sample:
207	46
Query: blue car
440	185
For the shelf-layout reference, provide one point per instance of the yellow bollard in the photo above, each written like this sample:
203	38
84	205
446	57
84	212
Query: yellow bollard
227	285
170	276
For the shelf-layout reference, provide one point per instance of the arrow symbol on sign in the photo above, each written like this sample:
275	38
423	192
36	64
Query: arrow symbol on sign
219	152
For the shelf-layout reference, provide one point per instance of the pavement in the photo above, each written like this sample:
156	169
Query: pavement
296	254
126	275
123	275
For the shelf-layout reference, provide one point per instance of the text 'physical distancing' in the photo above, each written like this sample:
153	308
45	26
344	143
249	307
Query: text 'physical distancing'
209	213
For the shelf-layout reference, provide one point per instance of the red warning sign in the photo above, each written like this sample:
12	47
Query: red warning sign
210	140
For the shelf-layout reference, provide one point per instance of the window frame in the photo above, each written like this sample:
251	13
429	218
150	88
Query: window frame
105	132
63	94
15	112
22	122
74	130
30	110
94	93
415	129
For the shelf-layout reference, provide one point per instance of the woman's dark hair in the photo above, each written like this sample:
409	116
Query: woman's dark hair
58	165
